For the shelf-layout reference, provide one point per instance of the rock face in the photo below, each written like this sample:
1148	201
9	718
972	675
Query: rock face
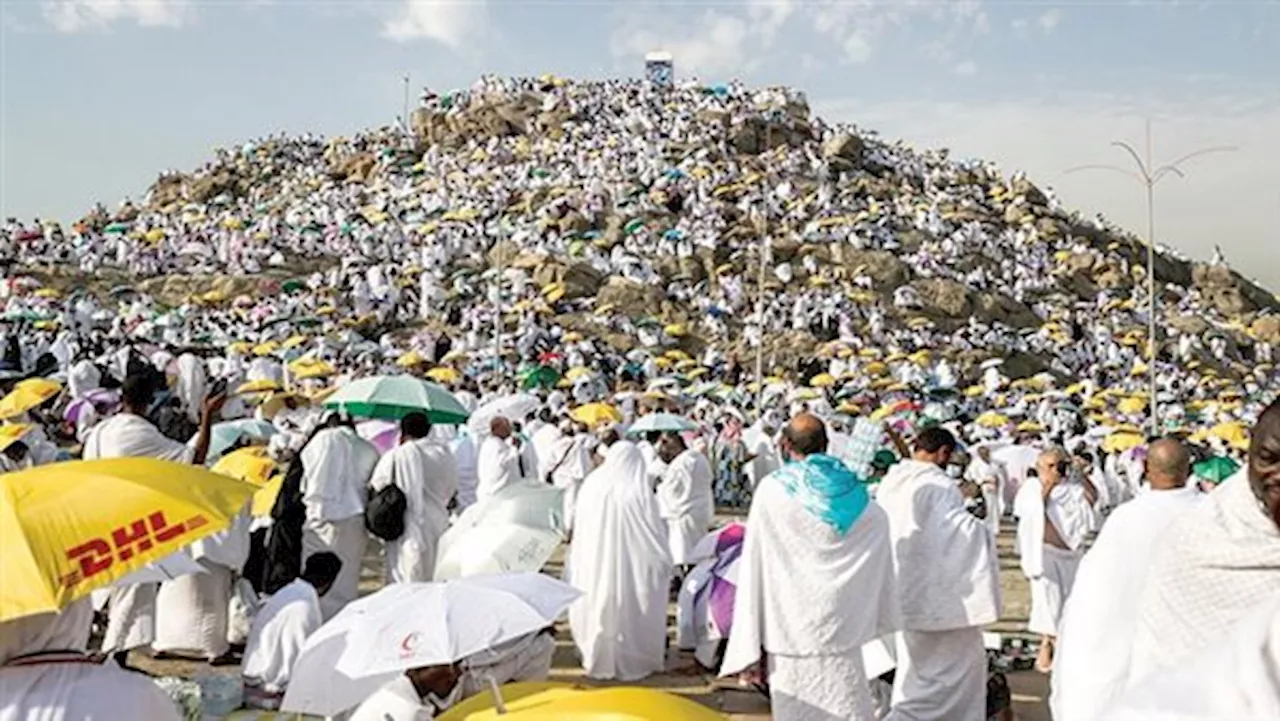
1267	329
946	297
885	269
844	151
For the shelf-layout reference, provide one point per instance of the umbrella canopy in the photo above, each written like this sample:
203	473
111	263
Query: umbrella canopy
96	396
263	385
515	406
69	528
382	434
1216	469
539	377
394	397
662	423
444	374
409	625
27	395
252	465
563	702
516	529
226	434
596	414
1122	441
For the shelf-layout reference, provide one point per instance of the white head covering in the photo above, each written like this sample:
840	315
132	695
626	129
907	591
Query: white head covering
65	631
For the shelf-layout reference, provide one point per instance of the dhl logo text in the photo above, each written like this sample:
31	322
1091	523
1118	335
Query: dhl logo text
98	555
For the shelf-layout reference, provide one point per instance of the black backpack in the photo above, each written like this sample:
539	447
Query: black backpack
384	513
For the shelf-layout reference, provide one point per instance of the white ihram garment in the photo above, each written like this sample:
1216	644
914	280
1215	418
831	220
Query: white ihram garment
620	561
1091	657
1051	570
427	473
464	453
498	466
192	611
192	385
279	631
796	580
569	465
1233	678
67	687
1213	566
131	618
337	465
948	586
686	503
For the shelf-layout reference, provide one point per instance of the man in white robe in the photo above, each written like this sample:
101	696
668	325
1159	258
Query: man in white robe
128	434
989	474
948	587
500	462
426	472
192	384
45	674
1095	636
567	463
1055	516
280	630
685	498
818	546
464	453
1217	563
619	559
337	464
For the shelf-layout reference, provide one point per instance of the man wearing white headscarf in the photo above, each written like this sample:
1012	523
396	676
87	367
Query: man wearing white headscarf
337	464
45	674
620	561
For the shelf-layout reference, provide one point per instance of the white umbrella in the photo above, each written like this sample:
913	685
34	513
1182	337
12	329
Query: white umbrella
661	422
409	625
515	407
494	548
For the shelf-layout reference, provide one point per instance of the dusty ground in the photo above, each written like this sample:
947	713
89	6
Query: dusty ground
1030	689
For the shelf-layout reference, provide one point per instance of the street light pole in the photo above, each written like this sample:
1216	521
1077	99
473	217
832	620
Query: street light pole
1150	176
407	127
764	251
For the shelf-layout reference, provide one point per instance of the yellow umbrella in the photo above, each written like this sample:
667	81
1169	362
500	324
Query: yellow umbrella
47	293
676	354
265	349
263	385
1131	406
1030	427
311	368
563	702
294	342
991	419
276	401
1122	441
974	391
876	368
577	372
822	380
1233	433
444	374
252	465
70	528
240	347
27	395
410	359
676	330
596	414
10	433
869	353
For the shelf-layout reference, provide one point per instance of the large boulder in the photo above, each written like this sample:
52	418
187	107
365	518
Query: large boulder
1028	190
580	280
358	167
993	307
1267	329
630	298
886	270
844	150
948	297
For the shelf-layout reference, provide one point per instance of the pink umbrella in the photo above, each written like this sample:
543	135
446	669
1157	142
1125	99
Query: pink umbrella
382	434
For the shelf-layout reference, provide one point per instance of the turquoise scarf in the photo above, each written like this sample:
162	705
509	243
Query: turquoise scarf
827	489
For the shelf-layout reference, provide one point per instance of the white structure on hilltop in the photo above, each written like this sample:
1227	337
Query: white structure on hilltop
659	68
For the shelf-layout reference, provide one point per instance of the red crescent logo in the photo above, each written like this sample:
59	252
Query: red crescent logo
409	643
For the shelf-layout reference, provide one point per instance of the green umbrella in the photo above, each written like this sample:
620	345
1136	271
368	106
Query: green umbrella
539	377
394	397
293	284
1216	469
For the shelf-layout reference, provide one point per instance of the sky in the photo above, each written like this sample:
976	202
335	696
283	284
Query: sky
98	96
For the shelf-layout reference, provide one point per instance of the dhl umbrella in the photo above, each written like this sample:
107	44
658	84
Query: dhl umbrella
70	528
27	395
595	414
254	465
562	702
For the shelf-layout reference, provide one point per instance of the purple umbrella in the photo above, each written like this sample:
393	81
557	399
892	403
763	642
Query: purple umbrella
98	396
382	434
721	590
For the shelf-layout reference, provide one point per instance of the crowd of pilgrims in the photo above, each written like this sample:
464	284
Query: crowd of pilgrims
1143	578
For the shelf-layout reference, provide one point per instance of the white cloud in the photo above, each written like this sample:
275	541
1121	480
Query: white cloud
717	43
449	22
856	48
73	16
968	67
1228	199
1048	21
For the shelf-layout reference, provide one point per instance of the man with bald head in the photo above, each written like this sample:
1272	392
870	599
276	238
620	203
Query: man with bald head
815	583
1095	635
1216	562
500	462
